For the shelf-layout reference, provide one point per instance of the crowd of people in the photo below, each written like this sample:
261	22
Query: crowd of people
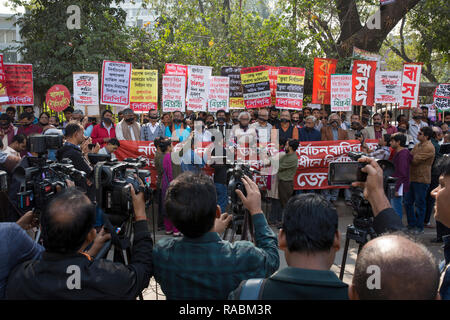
195	263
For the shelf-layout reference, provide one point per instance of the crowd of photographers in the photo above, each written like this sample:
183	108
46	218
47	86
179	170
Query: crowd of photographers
196	263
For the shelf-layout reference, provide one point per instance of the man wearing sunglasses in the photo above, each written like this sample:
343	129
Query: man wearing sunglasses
153	129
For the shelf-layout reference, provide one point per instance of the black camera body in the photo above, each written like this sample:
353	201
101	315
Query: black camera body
3	181
235	182
39	182
112	181
41	143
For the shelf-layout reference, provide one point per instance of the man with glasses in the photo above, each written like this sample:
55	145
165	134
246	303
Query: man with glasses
415	124
263	127
153	129
243	133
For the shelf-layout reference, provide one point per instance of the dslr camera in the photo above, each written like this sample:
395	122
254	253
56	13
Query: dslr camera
112	181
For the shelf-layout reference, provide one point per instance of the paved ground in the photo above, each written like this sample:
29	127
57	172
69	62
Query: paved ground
345	218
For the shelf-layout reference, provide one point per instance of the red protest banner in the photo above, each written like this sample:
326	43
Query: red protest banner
410	85
289	94
58	97
323	69
19	81
313	159
363	79
273	77
3	85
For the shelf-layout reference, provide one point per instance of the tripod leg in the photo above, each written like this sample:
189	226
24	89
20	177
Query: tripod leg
344	258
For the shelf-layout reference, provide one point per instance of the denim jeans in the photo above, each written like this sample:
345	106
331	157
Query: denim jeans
415	204
397	204
222	196
330	194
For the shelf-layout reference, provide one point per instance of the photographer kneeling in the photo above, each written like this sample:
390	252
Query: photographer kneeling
66	271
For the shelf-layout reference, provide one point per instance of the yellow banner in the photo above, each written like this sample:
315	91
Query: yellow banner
298	80
144	86
255	77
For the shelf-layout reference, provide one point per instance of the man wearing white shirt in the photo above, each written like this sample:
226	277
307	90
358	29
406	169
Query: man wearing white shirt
263	127
18	145
128	128
416	123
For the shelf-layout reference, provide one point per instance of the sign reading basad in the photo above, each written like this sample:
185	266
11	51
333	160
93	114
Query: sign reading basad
341	92
410	85
19	81
313	159
219	94
363	82
323	68
198	87
144	90
116	78
3	85
58	97
85	89
256	87
173	93
388	86
236	95
442	96
289	91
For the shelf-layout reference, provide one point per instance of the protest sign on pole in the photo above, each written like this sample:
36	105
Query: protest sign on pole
273	78
219	94
3	85
58	97
116	78
341	92
442	96
323	68
363	78
360	54
85	89
388	86
289	93
236	94
19	82
198	87
256	87
173	93
144	90
410	85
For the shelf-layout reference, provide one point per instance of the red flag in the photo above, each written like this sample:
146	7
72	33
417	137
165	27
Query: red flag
363	78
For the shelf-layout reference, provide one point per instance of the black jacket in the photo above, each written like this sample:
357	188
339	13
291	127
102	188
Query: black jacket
74	153
100	279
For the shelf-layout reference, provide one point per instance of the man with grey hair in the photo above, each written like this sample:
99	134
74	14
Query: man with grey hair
308	132
242	132
263	127
334	131
128	128
395	267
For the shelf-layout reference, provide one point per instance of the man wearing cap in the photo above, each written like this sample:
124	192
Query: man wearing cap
128	128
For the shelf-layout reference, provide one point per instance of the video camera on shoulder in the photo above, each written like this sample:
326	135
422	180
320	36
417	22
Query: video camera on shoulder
112	181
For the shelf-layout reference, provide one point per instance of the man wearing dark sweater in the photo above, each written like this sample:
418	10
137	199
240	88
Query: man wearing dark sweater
310	239
402	160
308	132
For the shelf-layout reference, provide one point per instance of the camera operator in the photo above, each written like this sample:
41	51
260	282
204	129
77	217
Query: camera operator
16	246
310	239
66	271
72	150
201	265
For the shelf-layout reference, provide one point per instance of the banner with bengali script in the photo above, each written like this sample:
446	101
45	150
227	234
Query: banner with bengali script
198	88
116	78
173	93
323	69
388	86
341	92
289	93
442	96
144	90
256	87
273	78
219	94
313	159
85	89
410	85
19	81
363	89
3	85
236	95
